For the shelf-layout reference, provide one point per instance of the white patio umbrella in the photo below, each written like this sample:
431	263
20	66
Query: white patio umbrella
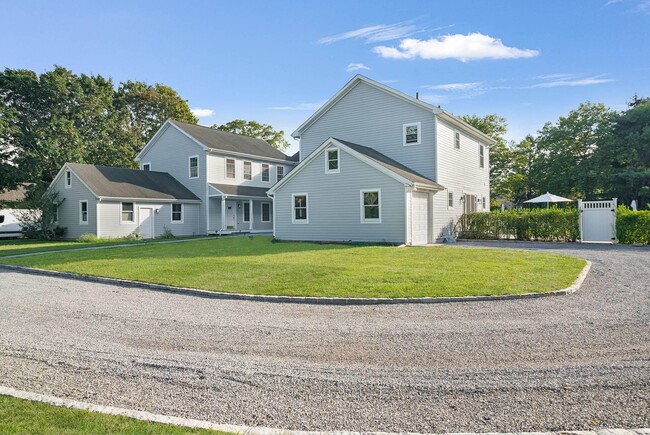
548	198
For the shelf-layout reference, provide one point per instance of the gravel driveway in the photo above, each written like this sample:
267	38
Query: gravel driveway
558	363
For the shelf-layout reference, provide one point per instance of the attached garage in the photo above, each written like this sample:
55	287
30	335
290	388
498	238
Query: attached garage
420	218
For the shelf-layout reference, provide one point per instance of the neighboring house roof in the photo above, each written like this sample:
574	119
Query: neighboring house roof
372	157
217	140
443	114
295	157
391	164
110	182
18	194
236	190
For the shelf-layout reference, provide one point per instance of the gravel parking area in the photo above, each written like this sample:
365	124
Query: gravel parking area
577	362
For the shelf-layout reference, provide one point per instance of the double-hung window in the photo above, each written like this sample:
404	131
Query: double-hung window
279	171
266	212
481	154
450	199
248	171
266	173
412	133
371	206
299	204
230	168
83	212
127	212
68	179
194	167
177	213
332	163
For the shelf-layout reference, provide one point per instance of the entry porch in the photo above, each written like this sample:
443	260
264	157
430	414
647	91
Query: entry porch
239	209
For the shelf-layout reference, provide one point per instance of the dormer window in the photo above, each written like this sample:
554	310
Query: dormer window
412	133
332	165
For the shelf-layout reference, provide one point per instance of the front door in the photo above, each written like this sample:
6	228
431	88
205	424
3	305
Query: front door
145	222
231	215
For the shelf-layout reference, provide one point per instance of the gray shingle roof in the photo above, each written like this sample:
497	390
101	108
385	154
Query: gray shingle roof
225	141
391	164
233	190
110	182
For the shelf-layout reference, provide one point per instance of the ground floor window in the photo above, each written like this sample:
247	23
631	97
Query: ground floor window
300	208
177	212
371	206
83	212
266	212
247	211
127	212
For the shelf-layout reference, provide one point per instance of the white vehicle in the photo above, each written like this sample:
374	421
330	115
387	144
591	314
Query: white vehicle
9	225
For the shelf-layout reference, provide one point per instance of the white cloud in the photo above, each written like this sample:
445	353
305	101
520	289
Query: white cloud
378	33
473	46
356	67
299	106
554	77
572	82
435	99
611	2
454	86
202	113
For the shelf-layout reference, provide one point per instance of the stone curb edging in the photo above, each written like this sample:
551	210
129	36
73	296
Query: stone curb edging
297	299
252	430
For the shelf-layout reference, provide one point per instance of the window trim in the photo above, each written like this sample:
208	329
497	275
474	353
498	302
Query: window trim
450	196
410	124
293	208
171	216
250	173
365	220
189	166
481	156
277	173
268	173
81	221
262	212
122	221
234	169
146	164
456	139
68	179
327	160
243	212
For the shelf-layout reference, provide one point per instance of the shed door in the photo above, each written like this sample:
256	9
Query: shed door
419	218
145	222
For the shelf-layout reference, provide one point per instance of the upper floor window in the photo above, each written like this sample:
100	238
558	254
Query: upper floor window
370	206
300	208
248	171
230	168
332	163
127	212
450	199
457	140
194	167
146	166
265	172
481	156
83	212
279	173
412	133
484	201
68	179
177	213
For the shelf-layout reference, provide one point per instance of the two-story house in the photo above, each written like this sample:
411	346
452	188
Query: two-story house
379	165
193	180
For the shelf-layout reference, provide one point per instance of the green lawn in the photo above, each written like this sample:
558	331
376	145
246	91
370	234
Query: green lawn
259	266
27	246
19	416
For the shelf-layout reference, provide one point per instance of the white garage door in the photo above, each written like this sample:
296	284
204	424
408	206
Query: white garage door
420	218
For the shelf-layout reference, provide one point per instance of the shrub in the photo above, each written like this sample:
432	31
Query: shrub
134	236
632	226
88	238
39	221
167	233
552	224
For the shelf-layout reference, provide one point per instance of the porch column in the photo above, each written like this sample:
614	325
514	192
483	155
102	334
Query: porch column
223	212
250	214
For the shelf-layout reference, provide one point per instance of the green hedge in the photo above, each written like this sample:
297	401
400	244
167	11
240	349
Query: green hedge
632	226
552	224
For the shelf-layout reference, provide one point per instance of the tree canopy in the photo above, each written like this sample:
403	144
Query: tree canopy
56	117
255	129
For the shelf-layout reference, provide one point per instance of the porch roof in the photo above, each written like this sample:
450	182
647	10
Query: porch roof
235	190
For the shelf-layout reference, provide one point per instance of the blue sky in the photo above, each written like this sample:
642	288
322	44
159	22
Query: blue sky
276	62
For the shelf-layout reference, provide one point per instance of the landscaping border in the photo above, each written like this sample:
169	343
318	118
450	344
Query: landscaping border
297	299
250	430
